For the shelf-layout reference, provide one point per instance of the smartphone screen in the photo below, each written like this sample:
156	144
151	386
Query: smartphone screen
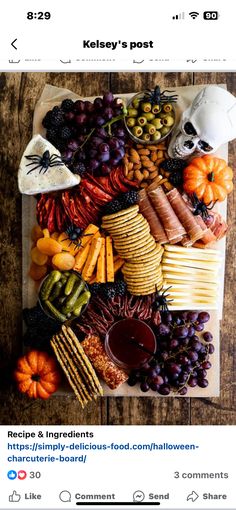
118	142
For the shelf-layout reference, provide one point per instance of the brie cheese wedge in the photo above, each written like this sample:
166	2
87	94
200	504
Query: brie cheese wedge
42	170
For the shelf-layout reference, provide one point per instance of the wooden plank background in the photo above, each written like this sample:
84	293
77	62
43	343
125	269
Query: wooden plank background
18	94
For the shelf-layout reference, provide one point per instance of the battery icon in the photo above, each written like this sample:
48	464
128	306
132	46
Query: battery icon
210	15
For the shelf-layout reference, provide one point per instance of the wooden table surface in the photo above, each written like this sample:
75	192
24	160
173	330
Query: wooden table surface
18	95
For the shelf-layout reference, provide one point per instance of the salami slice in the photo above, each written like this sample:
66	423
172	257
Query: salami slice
149	213
105	368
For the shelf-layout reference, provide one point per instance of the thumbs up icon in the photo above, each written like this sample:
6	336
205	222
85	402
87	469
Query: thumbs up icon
14	497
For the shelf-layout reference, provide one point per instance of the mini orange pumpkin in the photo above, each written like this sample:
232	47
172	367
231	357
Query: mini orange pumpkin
209	177
37	374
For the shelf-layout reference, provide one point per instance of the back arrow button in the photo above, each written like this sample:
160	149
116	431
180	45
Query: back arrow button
13	45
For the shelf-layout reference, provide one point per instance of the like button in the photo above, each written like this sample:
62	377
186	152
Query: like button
14	497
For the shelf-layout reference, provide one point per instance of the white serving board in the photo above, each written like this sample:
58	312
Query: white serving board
50	97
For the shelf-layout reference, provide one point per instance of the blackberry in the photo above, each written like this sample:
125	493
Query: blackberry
120	288
79	169
129	198
60	145
32	316
65	133
176	179
47	120
173	165
112	207
40	328
57	117
67	105
52	135
107	290
95	288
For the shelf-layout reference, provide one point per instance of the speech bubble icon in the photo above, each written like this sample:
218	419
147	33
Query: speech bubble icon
65	496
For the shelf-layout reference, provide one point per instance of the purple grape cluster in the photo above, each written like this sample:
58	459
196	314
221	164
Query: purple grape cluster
182	356
87	134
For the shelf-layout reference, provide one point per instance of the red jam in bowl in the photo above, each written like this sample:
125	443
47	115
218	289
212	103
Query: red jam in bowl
120	343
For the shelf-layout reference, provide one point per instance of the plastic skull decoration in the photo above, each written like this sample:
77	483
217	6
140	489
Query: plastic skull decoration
209	122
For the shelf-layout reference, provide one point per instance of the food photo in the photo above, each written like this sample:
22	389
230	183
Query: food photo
121	298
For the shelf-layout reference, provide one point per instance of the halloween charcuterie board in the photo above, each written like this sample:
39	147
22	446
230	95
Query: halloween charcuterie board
131	263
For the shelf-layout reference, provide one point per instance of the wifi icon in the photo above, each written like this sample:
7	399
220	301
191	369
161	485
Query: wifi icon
194	14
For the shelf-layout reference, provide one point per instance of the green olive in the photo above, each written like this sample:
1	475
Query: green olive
135	103
149	128
164	131
163	115
146	107
156	136
142	121
167	108
149	116
131	122
156	108
132	112
157	123
137	131
146	137
168	121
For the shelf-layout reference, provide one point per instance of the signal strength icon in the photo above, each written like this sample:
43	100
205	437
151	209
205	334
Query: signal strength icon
194	14
179	16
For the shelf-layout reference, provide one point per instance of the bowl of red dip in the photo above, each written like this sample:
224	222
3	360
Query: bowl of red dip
130	343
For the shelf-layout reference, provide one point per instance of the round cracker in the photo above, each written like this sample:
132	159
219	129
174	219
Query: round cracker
144	293
120	220
151	255
136	245
138	285
142	276
130	268
133	208
137	288
138	267
136	252
129	223
132	236
128	232
121	232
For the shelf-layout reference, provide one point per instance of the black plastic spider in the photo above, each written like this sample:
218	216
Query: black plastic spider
75	235
161	300
43	162
200	208
157	97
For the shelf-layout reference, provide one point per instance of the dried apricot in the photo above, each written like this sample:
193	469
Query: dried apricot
36	233
55	235
67	244
38	257
46	232
37	272
49	246
63	261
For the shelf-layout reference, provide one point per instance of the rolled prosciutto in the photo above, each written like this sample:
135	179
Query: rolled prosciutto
173	228
208	236
149	213
186	217
217	224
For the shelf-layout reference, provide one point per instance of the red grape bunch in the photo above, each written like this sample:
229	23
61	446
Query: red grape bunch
89	135
182	356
